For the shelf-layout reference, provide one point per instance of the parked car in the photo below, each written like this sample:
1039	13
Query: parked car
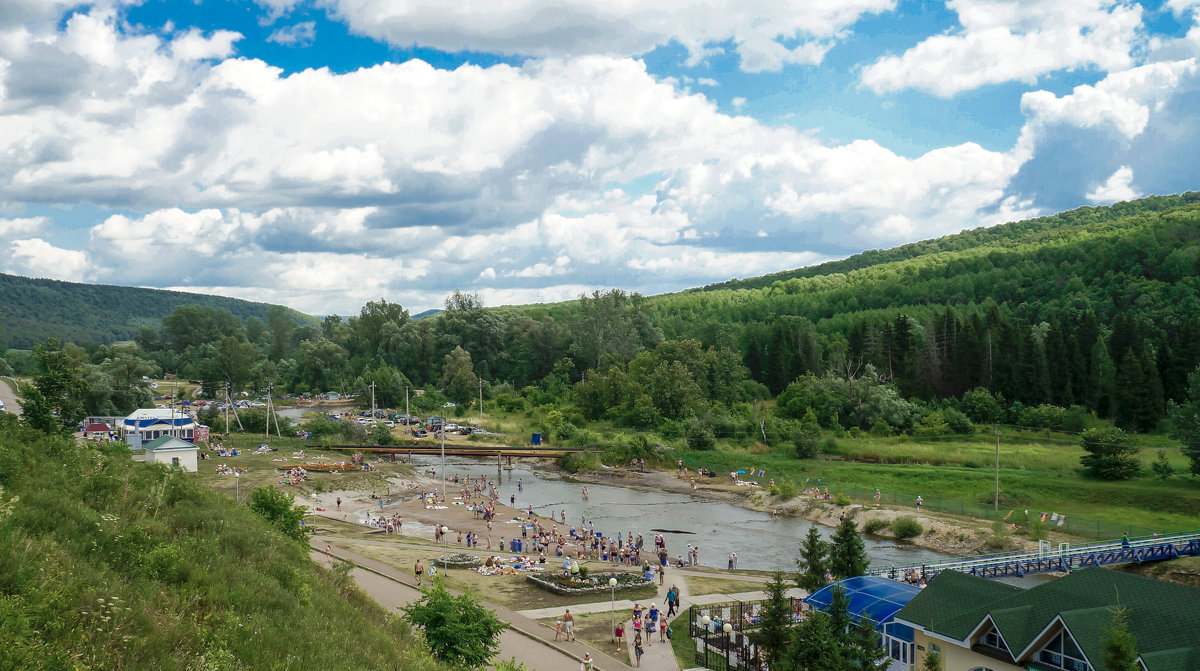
388	423
420	433
449	404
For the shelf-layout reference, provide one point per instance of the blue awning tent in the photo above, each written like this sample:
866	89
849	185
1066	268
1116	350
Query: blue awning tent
869	596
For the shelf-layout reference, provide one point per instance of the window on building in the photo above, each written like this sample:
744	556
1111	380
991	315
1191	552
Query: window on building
1062	653
174	462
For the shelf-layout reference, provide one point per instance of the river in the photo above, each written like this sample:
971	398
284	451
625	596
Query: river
715	527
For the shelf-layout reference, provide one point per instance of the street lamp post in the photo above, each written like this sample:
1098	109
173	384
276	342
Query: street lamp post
612	605
445	548
237	478
443	432
728	629
705	622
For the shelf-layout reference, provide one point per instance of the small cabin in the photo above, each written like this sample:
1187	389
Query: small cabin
172	451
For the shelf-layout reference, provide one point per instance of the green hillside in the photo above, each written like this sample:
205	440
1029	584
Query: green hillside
32	310
110	564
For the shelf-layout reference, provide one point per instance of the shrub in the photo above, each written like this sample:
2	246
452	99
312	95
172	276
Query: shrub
874	526
842	499
957	421
698	436
881	428
907	527
785	489
830	445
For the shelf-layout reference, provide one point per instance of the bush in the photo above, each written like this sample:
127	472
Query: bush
874	526
958	422
907	527
842	500
881	428
698	436
830	445
784	489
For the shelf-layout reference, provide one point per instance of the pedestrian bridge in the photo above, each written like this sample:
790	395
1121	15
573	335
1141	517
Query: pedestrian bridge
1061	559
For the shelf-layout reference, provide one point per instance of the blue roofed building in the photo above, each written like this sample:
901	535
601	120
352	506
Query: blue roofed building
877	599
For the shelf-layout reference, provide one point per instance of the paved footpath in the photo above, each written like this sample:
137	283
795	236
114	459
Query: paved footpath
527	640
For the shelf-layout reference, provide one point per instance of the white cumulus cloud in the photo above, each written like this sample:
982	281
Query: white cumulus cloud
1118	187
765	35
1013	40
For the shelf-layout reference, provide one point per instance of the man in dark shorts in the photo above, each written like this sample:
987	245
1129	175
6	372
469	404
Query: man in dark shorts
419	570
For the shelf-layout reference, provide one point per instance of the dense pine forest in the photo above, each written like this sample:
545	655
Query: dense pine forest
1090	313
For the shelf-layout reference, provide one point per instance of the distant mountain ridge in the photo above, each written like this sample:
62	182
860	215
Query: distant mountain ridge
32	310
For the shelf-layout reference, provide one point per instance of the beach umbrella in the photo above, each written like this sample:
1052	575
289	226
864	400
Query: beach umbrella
741	471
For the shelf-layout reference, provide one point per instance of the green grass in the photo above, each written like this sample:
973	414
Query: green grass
110	564
705	585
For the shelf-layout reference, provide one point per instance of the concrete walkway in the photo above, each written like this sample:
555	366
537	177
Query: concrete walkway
527	640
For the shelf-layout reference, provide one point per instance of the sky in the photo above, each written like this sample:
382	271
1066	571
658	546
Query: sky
323	153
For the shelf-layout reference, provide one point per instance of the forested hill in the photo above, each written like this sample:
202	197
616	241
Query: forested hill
32	310
1032	231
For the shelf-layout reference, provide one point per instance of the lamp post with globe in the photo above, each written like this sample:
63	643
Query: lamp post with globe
445	548
612	605
705	622
728	629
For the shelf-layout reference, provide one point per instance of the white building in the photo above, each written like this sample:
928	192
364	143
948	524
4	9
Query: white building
147	424
173	452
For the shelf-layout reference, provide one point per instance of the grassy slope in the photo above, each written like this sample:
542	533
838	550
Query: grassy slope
108	564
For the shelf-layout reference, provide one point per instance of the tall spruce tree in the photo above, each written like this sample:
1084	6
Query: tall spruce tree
815	646
813	562
775	633
847	554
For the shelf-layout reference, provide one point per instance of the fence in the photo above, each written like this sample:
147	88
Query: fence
1078	526
720	651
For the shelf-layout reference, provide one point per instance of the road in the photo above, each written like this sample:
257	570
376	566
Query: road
9	398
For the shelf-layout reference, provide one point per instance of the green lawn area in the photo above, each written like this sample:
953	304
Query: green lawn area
706	585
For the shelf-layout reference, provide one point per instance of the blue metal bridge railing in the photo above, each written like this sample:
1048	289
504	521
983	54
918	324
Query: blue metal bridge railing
1063	558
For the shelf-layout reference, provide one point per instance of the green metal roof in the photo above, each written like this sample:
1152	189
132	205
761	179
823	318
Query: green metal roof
1164	617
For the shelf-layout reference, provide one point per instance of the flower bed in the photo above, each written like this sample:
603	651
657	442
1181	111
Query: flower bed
594	583
458	560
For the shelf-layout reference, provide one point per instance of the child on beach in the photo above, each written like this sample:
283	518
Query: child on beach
557	629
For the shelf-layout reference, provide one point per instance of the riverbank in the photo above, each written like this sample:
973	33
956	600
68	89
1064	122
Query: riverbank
942	532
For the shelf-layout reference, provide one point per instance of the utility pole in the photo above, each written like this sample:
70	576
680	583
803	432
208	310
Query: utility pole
481	401
443	432
408	421
996	497
372	399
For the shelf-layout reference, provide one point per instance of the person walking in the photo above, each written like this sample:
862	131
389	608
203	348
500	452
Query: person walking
619	634
672	598
919	502
638	651
569	624
586	664
418	570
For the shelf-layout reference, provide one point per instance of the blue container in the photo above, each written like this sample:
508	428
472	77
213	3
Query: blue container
536	439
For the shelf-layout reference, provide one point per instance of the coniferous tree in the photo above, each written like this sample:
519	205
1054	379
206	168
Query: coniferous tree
847	554
1185	417
773	636
865	651
815	645
1119	645
813	562
933	662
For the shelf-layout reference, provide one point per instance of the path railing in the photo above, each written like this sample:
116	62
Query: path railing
1048	558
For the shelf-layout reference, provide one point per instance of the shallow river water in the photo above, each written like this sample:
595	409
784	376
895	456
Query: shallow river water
715	527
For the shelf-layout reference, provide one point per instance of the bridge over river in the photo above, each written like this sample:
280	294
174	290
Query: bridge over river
1061	559
474	450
